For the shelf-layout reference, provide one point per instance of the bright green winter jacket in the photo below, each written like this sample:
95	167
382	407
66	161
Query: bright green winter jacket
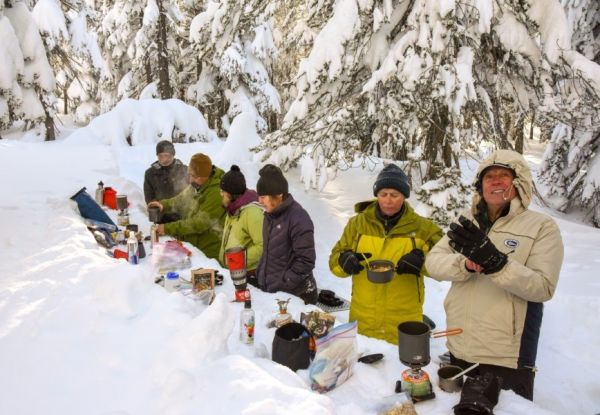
202	213
379	308
244	228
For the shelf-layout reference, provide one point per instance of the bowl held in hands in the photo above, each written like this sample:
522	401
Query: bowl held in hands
380	271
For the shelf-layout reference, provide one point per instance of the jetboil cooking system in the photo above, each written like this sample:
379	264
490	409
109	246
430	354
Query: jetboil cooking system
123	215
154	217
235	258
413	348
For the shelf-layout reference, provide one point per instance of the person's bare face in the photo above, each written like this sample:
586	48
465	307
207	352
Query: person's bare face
497	187
390	201
197	180
165	159
270	202
225	198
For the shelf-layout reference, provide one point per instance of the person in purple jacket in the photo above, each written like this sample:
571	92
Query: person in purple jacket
288	257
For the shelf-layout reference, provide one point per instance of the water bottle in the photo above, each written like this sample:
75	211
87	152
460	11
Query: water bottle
247	323
171	281
132	248
100	193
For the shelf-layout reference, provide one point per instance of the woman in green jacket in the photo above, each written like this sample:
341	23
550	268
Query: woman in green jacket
199	206
244	220
385	228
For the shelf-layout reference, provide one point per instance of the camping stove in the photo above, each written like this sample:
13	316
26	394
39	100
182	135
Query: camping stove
415	381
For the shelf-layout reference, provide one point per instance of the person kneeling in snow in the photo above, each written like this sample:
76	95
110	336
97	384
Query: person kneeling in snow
504	261
288	240
199	207
385	229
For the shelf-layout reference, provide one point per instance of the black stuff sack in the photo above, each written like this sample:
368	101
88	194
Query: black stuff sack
291	346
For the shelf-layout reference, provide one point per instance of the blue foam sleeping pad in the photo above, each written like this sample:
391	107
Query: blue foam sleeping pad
89	209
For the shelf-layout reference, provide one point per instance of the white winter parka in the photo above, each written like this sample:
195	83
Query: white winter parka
501	313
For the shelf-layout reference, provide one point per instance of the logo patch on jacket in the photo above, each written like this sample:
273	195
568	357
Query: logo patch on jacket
511	243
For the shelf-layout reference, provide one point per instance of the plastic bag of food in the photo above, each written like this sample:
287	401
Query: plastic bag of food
170	255
398	404
335	358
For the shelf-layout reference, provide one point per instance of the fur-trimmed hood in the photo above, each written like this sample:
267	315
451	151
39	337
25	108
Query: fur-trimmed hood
509	159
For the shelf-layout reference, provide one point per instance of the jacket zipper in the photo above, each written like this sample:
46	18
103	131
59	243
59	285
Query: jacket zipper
414	244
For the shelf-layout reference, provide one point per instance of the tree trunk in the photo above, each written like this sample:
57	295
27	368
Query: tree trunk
532	125
519	134
164	86
50	131
436	144
148	70
65	101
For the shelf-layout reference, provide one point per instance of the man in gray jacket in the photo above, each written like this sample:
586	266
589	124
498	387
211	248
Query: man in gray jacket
504	261
166	177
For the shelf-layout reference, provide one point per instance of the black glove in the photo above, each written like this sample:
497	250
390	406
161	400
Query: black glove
328	297
470	241
411	263
479	395
350	261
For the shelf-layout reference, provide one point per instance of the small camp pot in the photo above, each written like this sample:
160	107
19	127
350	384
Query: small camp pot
413	342
450	385
380	271
154	214
122	202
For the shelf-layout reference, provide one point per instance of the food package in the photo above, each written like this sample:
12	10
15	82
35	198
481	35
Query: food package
335	358
317	322
398	404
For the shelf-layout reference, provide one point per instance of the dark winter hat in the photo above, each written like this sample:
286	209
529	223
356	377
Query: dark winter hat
233	182
200	165
165	146
271	181
392	177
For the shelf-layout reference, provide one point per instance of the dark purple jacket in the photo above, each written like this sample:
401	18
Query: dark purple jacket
288	257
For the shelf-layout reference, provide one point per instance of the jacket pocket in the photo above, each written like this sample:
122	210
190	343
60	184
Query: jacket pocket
514	318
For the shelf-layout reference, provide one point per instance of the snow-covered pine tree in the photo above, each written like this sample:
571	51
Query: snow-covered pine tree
37	81
295	26
119	23
73	53
442	199
12	70
423	81
233	42
155	50
571	162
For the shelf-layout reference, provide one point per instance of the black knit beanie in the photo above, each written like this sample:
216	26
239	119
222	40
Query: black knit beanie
233	182
165	146
271	181
392	177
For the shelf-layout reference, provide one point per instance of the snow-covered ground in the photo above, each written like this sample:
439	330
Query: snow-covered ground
82	333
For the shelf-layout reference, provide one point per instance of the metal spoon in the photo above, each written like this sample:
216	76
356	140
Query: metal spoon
459	374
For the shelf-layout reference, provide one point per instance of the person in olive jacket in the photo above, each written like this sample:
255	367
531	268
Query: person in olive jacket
166	177
199	207
244	220
386	228
289	254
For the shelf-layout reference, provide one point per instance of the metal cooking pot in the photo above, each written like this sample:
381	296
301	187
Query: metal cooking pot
154	214
413	342
380	271
447	384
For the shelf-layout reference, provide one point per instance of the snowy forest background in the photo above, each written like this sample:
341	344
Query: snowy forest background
327	82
